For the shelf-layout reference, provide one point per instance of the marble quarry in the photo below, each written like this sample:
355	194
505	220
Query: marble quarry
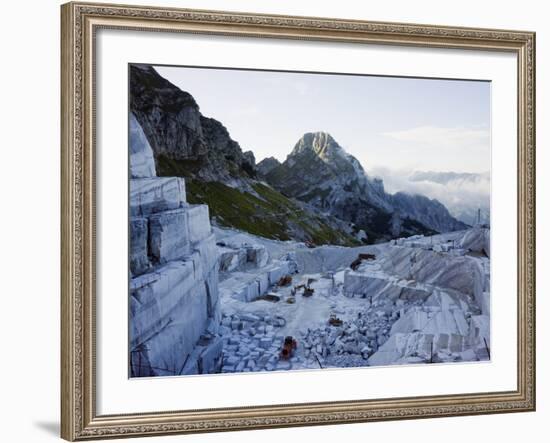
418	300
216	300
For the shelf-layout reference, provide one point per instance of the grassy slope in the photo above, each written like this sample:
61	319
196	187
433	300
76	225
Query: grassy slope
271	215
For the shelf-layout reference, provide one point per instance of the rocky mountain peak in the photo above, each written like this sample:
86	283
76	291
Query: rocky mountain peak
321	153
321	143
324	147
267	165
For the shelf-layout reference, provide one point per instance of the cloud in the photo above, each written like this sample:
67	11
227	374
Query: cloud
433	136
462	193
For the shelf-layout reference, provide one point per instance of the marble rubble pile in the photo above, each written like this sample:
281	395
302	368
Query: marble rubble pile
252	342
174	296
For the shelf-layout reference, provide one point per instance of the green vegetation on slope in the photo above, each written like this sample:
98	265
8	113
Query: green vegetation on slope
268	214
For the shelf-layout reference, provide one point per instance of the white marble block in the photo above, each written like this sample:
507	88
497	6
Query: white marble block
169	294
198	222
139	261
359	283
207	252
157	194
142	162
168	235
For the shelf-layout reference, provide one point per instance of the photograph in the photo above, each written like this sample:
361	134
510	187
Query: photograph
285	220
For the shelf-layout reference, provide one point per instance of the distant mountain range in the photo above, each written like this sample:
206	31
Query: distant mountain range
465	194
320	193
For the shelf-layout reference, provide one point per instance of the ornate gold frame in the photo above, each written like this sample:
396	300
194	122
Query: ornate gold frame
79	420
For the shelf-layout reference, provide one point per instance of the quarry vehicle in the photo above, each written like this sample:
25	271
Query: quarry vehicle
355	264
274	298
289	346
335	321
285	280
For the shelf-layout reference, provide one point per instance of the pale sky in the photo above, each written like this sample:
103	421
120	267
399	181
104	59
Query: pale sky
385	122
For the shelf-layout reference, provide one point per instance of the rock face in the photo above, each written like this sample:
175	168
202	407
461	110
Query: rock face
429	212
174	303
267	165
319	172
176	129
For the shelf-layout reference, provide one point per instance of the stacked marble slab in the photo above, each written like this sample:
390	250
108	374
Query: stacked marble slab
174	304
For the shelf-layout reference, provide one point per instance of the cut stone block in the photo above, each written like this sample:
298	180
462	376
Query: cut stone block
212	294
208	253
168	235
278	270
257	255
480	326
485	303
211	357
198	222
232	259
139	261
172	294
361	283
464	274
401	346
413	321
157	194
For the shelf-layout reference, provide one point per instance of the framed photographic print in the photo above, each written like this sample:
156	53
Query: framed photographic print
283	221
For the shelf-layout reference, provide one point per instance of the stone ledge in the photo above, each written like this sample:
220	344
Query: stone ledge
139	260
168	235
156	194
